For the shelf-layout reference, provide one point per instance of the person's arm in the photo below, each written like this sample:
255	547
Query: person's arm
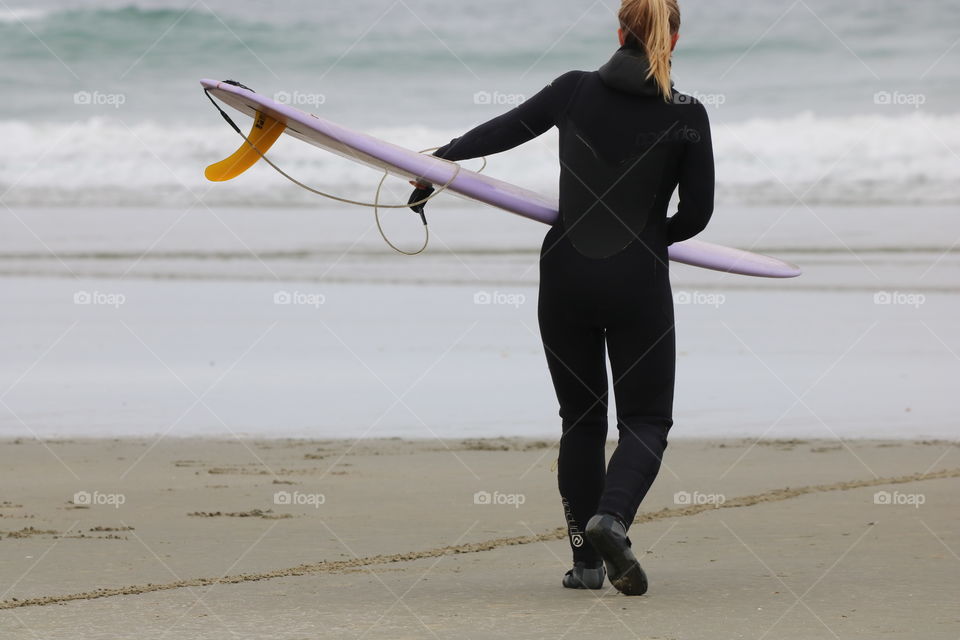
529	120
697	181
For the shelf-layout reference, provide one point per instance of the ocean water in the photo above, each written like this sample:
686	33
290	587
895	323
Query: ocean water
131	287
847	103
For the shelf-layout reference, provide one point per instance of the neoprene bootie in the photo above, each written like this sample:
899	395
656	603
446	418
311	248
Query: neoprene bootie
585	575
609	537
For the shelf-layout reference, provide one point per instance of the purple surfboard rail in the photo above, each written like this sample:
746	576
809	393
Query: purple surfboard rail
406	163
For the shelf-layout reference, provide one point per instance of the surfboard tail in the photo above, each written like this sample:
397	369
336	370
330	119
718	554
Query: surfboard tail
263	134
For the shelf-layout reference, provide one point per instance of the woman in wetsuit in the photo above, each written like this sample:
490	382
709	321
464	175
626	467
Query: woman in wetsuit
627	141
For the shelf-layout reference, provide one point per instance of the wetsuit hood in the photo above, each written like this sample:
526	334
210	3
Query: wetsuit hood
627	71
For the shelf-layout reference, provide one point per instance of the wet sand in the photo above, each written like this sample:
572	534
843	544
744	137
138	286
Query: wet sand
401	538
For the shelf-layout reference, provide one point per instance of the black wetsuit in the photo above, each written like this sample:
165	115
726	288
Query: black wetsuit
604	278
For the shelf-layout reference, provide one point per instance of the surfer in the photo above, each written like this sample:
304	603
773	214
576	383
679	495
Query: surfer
628	140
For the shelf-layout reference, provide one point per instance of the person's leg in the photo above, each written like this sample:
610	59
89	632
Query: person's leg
642	360
575	356
574	348
641	345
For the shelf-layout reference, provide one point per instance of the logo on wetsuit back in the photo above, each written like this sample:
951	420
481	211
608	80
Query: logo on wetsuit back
673	134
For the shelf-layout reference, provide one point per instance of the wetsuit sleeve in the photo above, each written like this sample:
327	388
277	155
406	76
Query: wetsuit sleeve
697	180
529	120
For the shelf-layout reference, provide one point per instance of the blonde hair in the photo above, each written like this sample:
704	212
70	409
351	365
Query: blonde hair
651	24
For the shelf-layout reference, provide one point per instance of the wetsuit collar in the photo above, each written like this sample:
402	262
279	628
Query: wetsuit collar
627	71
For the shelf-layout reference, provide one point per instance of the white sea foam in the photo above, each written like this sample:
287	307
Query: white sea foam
8	14
103	161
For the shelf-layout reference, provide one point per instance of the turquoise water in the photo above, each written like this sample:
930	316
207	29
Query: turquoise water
791	86
380	49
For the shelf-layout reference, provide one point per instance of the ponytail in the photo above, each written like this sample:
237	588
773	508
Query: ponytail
651	24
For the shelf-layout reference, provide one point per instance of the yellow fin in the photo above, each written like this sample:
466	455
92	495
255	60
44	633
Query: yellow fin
263	134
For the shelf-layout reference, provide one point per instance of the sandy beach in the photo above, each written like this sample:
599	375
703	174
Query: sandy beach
396	538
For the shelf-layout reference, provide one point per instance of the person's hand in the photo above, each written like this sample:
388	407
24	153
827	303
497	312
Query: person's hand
422	191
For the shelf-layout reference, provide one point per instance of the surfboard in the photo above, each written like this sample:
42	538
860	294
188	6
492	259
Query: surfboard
271	119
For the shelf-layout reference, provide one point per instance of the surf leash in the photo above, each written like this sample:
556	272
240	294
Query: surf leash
376	205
